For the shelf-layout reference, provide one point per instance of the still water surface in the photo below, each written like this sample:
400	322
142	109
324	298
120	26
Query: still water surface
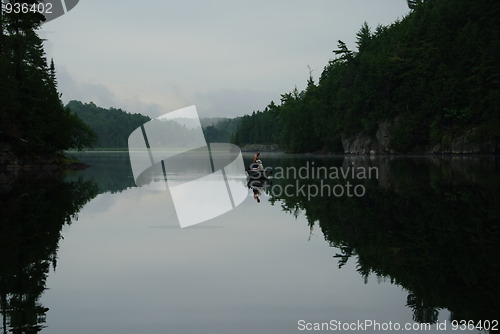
419	246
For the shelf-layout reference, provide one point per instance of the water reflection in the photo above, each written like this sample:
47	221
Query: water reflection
110	171
430	225
258	186
33	209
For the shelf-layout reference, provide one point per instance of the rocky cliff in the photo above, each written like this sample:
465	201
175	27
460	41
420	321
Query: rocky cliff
467	142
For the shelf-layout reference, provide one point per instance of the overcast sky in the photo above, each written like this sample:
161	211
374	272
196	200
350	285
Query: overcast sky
228	58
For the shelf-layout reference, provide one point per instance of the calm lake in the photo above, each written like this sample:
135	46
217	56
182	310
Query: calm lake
333	244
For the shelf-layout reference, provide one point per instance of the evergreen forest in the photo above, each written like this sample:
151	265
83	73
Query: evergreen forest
112	126
34	124
426	83
220	130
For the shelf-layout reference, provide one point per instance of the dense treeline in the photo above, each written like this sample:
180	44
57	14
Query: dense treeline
433	75
219	130
261	127
112	126
33	120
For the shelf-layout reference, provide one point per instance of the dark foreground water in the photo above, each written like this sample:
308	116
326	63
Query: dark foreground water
334	244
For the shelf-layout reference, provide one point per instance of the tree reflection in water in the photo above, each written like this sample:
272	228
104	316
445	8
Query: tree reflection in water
430	225
34	208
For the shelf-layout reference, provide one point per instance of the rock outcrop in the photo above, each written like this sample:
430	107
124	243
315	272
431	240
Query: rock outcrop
466	143
363	144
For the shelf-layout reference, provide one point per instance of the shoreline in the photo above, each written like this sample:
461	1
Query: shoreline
53	163
263	148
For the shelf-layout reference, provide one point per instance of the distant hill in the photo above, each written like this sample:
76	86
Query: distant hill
112	126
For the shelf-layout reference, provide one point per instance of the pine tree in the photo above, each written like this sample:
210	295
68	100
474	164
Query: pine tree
32	116
363	36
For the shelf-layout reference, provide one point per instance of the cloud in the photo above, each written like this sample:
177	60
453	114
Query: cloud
229	58
102	96
222	102
72	89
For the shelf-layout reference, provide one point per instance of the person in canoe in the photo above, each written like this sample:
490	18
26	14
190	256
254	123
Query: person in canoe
256	157
256	160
